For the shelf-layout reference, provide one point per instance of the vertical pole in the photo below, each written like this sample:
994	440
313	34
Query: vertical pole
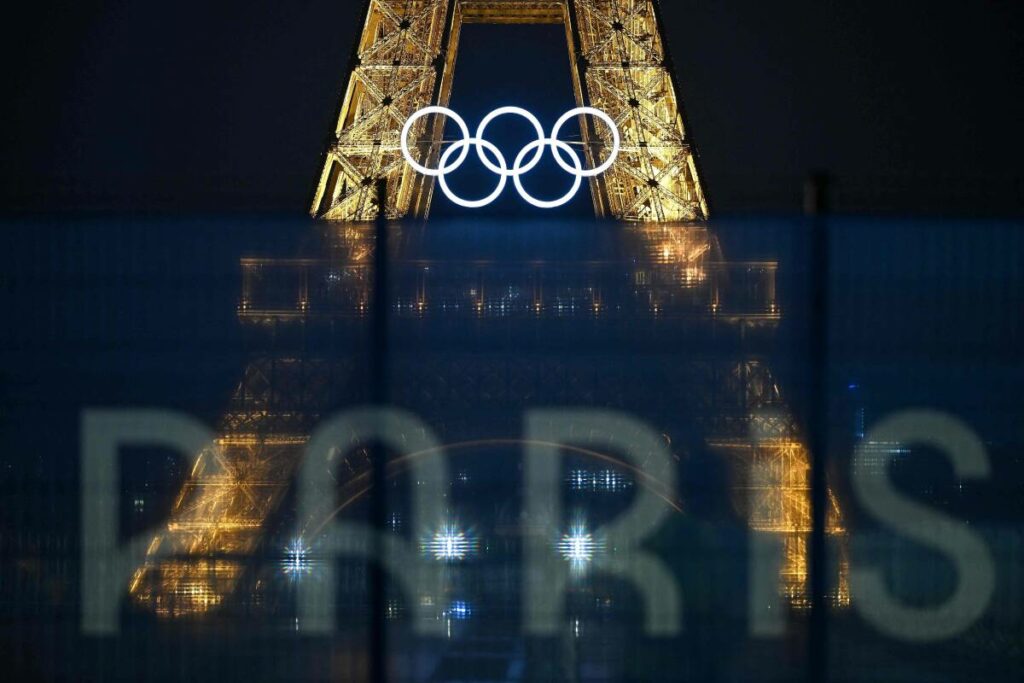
816	208
379	397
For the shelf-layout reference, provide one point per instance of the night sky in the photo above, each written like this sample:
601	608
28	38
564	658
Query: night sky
225	106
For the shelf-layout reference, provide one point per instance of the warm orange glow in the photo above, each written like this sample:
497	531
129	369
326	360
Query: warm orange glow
618	66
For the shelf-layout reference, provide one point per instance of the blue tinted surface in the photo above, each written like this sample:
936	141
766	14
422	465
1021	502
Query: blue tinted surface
690	332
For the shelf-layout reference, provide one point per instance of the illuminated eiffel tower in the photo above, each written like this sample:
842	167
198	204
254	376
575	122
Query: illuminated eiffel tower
405	61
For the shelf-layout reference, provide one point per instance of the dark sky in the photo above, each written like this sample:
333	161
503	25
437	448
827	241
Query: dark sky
192	106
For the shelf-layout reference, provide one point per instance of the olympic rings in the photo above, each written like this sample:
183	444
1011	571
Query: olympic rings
405	135
555	145
519	168
608	122
501	112
502	173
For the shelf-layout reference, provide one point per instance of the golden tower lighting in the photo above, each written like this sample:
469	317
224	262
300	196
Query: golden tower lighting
405	61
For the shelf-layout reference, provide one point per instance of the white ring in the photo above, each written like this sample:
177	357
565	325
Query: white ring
539	203
405	145
616	143
502	175
519	111
519	168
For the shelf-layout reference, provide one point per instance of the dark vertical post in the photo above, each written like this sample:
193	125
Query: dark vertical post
816	208
379	397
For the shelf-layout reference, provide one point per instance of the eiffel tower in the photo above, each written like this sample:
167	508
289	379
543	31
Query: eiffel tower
727	400
405	61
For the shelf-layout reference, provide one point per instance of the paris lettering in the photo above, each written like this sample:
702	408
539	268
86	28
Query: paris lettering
110	566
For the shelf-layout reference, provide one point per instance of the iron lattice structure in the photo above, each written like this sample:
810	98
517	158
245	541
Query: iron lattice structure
405	60
730	400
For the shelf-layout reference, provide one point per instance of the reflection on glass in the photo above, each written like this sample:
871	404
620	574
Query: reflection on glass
673	276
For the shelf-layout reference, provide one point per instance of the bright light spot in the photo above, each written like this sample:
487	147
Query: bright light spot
603	481
450	544
578	546
296	559
460	609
